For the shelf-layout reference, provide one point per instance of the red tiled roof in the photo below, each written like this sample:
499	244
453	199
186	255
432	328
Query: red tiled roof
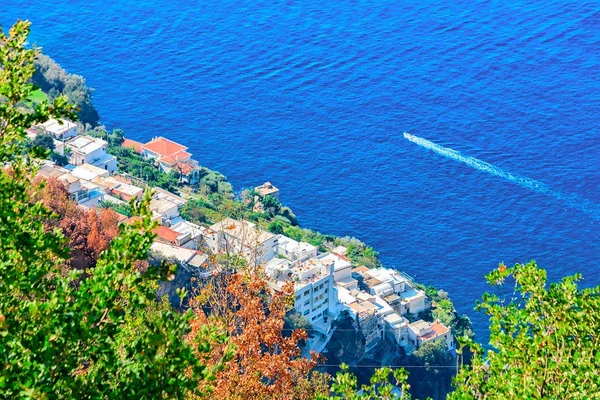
437	330
184	168
137	146
164	147
175	157
166	234
121	217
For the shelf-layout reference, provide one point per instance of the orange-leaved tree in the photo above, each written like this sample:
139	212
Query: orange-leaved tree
267	364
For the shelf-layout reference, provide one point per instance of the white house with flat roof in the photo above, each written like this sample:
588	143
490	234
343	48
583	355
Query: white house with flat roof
387	283
60	129
90	150
295	251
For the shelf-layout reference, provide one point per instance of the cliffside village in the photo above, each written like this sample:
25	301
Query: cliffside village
326	284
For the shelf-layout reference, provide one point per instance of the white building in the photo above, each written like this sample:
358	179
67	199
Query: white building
190	259
244	238
387	283
89	172
396	329
194	233
61	130
315	295
85	193
90	150
167	205
421	331
295	251
342	270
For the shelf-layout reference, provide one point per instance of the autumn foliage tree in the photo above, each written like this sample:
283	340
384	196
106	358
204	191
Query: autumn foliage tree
267	363
89	231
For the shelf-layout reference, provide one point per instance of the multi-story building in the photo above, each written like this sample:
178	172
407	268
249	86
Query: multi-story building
61	130
386	283
315	295
90	150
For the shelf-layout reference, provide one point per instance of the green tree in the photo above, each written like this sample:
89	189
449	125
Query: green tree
271	205
345	385
55	81
431	369
545	339
275	227
44	140
66	336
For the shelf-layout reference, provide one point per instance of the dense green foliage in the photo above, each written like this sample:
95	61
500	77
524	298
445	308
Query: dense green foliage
545	339
430	370
55	81
66	335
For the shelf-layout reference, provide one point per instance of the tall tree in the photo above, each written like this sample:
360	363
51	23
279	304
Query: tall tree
545	339
267	362
58	339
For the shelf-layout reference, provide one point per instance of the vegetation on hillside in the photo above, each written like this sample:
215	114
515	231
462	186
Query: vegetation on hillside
55	81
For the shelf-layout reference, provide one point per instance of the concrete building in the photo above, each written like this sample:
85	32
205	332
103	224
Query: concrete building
194	232
295	251
89	172
343	270
167	205
192	260
85	193
60	129
387	282
315	294
243	238
267	189
421	331
90	150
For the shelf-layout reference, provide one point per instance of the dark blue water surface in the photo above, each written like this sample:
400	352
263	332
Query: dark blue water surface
314	96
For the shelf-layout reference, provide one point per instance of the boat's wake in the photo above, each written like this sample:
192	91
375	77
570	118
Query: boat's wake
571	200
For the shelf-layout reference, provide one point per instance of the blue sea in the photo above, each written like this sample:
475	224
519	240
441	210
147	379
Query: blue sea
315	96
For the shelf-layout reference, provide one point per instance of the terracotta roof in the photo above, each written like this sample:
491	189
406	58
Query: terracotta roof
175	157
439	328
360	269
121	217
184	168
166	234
137	146
164	147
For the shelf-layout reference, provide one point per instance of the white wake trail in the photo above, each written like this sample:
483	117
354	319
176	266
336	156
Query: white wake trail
572	200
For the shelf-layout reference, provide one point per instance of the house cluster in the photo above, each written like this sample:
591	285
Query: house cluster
91	177
325	283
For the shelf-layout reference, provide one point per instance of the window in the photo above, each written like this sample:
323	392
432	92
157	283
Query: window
306	312
313	318
306	292
307	302
297	297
